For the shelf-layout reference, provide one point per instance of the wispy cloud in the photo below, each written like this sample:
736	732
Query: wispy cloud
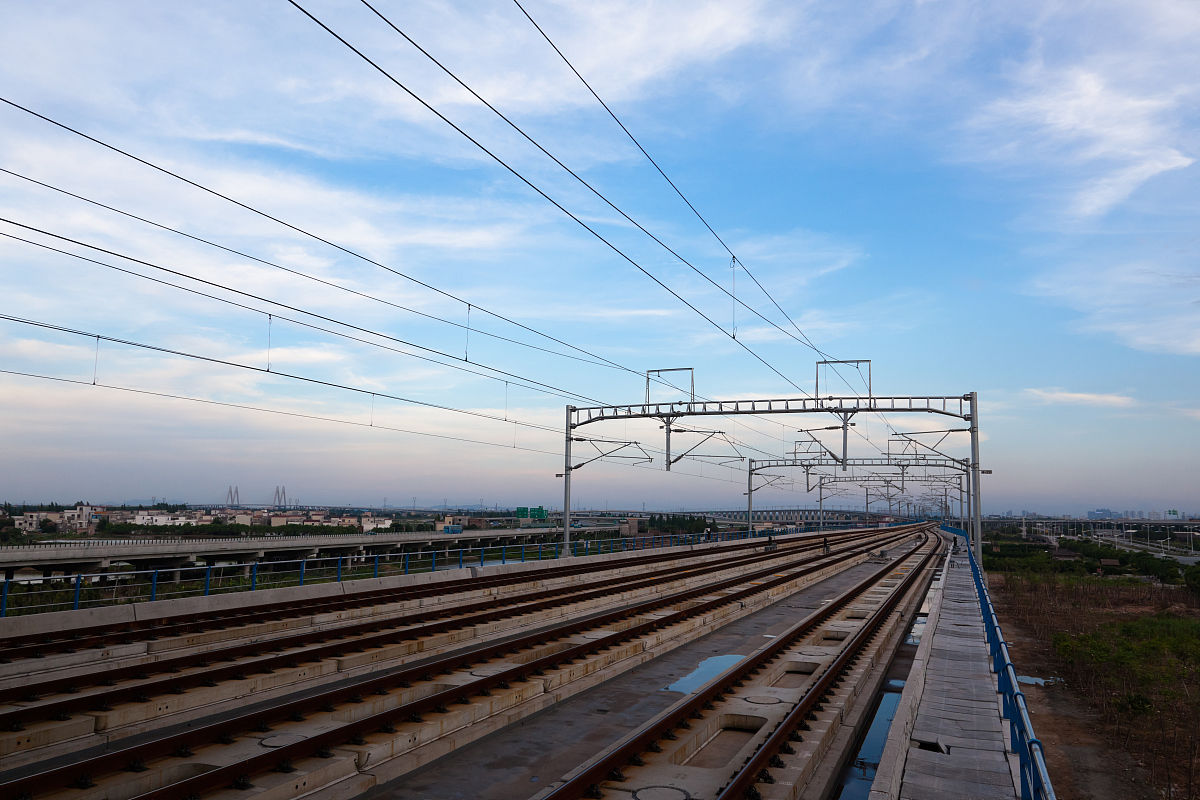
1062	397
1078	120
788	261
1150	308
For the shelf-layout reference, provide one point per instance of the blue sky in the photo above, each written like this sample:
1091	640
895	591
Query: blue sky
977	197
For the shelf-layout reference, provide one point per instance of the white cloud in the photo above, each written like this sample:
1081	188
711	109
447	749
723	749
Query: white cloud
1063	397
1145	307
1077	119
787	262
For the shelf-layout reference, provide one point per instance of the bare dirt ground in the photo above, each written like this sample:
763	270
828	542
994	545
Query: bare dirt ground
1083	765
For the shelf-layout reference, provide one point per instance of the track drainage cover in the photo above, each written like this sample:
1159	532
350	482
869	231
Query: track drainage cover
763	700
487	672
282	740
661	793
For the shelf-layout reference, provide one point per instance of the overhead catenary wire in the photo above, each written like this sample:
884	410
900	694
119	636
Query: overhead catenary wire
793	323
242	254
297	322
803	340
306	379
578	220
307	276
268	216
508	375
323	418
276	373
215	193
515	379
303	231
298	414
735	260
636	143
671	183
541	192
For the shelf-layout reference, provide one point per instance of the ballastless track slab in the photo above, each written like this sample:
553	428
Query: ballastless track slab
408	697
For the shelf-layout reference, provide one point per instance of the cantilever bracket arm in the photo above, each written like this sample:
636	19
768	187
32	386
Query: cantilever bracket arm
773	479
643	458
933	448
691	449
821	444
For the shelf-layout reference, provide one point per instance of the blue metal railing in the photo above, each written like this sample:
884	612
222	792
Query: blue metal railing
1035	777
32	595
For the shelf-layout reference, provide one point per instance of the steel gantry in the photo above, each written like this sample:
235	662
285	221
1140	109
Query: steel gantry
902	464
964	407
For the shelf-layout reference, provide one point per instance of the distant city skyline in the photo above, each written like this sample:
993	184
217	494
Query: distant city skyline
998	198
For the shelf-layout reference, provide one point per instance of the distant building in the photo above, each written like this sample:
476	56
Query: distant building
632	526
148	518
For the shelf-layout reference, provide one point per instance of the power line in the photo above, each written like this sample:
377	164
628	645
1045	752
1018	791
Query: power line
737	262
546	196
665	177
335	420
305	232
803	340
552	389
307	276
265	215
371	261
265	371
547	388
516	379
244	407
234	251
636	143
540	192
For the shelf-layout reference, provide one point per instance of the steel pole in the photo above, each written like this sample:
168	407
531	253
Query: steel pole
967	521
845	439
821	506
750	498
668	426
977	511
962	519
567	485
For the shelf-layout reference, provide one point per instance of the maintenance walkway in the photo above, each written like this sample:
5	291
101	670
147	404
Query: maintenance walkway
956	733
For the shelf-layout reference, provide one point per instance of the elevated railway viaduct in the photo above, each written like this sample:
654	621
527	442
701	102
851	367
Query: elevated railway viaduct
727	669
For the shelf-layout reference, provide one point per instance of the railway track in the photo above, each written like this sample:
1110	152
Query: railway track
779	756
324	737
56	699
39	646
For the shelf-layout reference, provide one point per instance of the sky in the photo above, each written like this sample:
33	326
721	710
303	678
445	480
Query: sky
339	292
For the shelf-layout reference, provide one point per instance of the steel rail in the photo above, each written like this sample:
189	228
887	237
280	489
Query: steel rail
375	633
757	768
610	767
183	743
34	646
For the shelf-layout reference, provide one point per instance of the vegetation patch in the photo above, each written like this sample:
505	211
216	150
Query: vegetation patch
1131	650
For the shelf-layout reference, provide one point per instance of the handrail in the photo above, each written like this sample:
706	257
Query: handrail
73	590
285	538
1035	777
